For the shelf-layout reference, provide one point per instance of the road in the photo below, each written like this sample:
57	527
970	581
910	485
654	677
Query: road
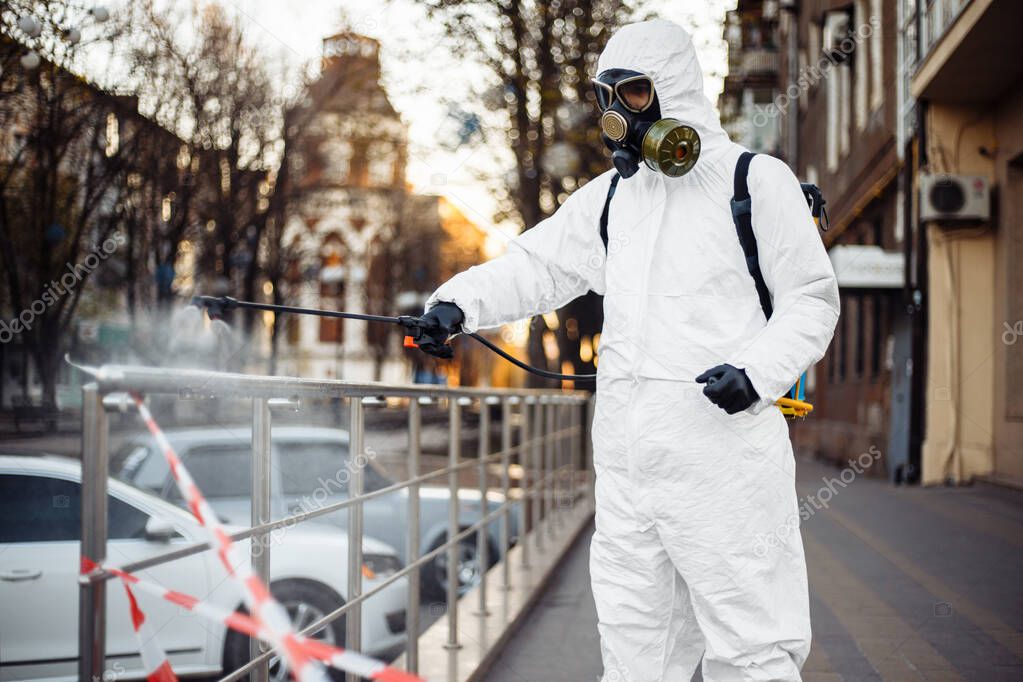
906	584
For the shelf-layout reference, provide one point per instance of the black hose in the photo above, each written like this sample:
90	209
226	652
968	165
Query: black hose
529	368
216	305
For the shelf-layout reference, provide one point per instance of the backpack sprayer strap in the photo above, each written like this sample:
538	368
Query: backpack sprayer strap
792	404
742	217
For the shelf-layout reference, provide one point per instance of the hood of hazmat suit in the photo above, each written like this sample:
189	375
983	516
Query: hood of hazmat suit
697	551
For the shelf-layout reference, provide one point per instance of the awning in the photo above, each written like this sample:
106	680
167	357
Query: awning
867	267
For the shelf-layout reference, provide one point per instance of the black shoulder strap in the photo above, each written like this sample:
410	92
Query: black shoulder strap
742	216
607	206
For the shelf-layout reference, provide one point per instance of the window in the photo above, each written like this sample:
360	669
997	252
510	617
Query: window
845	104
876	56
336	156
113	135
332	289
839	49
880	310
843	330
308	466
831	142
381	164
221	470
859	73
861	319
44	509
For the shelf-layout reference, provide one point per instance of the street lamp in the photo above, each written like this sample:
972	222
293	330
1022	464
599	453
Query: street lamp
31	60
32	28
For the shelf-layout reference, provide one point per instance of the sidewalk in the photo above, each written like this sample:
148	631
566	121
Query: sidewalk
906	584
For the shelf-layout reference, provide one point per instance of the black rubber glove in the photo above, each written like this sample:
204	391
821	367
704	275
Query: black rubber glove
441	322
729	388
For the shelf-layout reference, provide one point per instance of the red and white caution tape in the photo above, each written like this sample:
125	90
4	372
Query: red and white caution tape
264	608
269	621
154	660
335	657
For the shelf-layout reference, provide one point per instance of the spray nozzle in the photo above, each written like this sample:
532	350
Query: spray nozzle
215	306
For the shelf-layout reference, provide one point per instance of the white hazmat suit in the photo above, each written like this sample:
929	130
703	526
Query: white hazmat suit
697	550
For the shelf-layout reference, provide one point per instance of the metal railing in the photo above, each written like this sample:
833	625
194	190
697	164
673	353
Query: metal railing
552	450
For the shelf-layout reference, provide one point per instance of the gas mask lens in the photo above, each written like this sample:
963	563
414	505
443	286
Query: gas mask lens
636	94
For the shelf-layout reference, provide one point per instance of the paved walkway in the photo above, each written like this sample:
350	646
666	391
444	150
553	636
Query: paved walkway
906	584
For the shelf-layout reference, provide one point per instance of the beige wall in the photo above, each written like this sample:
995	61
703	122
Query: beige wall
960	398
1008	403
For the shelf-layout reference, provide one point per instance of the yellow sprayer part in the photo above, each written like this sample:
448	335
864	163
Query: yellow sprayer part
793	408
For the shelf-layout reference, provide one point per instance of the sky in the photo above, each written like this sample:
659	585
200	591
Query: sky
416	68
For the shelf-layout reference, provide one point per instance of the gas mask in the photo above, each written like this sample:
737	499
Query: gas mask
632	127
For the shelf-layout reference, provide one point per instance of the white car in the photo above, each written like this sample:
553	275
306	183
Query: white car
40	500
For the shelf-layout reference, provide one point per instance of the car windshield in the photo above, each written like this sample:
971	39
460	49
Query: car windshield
221	470
312	465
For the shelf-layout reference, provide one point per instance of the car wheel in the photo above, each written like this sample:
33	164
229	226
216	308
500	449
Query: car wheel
435	573
306	602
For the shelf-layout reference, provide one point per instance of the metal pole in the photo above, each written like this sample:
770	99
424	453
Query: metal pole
539	484
506	445
551	470
577	450
92	595
413	540
454	451
259	548
524	460
356	462
591	471
482	534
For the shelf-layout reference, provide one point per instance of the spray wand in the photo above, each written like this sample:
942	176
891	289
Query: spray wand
415	328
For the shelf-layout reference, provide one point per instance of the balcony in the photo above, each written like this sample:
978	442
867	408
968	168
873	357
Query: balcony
759	62
970	49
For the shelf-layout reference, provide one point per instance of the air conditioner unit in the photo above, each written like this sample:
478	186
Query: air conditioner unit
954	197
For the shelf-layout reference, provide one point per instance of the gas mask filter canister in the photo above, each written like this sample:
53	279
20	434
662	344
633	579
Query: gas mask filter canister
632	127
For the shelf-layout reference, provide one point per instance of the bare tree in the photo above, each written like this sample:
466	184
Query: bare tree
542	55
67	150
222	106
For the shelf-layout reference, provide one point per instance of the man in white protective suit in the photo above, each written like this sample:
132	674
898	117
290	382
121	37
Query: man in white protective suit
694	464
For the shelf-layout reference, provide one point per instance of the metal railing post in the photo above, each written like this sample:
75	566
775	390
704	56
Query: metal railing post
506	446
525	456
454	453
356	462
259	548
577	450
539	486
550	465
92	621
482	536
591	470
413	540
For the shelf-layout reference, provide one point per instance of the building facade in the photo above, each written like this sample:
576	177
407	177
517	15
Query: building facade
353	221
829	107
970	96
751	85
876	101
